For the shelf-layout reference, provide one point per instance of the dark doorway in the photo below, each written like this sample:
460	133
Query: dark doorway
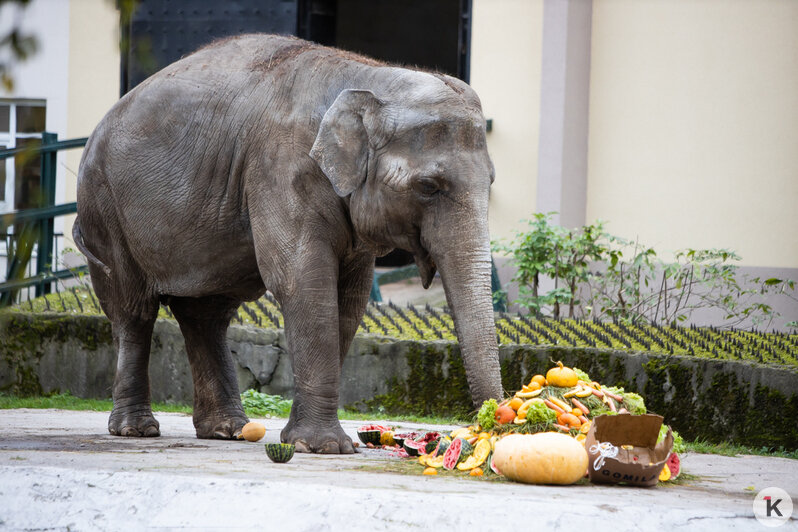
434	35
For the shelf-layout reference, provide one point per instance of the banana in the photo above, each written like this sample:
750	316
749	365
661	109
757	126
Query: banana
527	395
519	420
584	392
560	403
572	392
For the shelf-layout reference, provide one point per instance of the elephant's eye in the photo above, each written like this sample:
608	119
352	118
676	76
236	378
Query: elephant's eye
426	186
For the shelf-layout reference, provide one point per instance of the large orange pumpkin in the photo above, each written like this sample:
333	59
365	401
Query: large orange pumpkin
542	458
561	376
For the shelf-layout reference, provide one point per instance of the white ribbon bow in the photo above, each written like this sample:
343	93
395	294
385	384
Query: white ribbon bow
605	450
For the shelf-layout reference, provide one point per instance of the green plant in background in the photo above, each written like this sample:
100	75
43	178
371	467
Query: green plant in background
601	276
257	404
558	253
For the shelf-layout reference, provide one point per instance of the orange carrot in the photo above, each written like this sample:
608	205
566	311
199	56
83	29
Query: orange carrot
553	406
583	419
580	406
562	428
598	393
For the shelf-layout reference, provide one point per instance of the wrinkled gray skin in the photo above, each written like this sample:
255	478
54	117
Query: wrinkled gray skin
264	162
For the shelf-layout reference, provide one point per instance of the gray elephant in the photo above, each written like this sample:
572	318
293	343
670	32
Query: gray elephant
266	162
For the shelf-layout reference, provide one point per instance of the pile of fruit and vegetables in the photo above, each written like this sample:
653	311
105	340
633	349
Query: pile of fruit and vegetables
557	409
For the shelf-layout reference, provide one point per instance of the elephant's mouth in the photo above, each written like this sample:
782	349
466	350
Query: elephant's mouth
426	266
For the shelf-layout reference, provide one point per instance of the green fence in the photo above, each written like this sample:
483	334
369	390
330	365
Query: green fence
34	228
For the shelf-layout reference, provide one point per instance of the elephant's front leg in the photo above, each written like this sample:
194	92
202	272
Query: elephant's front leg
312	333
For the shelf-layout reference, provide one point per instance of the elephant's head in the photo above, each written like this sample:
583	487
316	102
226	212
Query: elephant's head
413	162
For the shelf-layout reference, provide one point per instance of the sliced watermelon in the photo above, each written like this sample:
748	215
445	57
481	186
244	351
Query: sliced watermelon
493	465
400	438
674	464
414	447
452	454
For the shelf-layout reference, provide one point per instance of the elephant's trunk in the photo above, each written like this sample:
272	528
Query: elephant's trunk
466	278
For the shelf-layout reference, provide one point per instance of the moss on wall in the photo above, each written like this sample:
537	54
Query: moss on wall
22	338
741	402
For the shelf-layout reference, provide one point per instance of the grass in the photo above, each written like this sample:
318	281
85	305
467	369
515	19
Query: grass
65	401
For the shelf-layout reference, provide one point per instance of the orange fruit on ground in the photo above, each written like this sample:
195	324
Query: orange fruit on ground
476	472
253	431
576	412
430	471
515	403
505	414
540	379
585	428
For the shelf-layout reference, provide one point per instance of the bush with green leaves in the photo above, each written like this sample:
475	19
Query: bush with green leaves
601	276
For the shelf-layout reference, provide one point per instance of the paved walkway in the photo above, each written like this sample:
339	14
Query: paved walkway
60	470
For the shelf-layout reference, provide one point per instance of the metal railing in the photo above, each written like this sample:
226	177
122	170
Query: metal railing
35	228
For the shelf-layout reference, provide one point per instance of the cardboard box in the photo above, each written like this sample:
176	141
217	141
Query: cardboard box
630	451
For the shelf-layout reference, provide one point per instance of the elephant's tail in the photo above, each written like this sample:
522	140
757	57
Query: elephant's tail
77	236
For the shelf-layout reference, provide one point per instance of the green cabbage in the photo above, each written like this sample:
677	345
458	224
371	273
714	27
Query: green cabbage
634	403
539	413
487	414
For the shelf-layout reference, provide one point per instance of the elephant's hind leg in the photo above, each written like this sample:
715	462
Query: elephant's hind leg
217	404
132	317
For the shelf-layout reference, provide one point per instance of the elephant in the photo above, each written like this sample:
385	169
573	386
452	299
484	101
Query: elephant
264	162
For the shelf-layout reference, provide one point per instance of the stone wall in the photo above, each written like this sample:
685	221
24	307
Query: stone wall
714	400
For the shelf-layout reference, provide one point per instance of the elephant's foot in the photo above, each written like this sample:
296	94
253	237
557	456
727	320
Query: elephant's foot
133	422
322	438
220	426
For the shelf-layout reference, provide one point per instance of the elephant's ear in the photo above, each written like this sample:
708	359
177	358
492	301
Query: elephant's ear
341	148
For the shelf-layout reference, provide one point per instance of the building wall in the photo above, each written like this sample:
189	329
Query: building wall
506	52
694	125
43	76
93	81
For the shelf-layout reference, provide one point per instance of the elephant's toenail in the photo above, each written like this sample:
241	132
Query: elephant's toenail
301	446
331	447
129	432
152	431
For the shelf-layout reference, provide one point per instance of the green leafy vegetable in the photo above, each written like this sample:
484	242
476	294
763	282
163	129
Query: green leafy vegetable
634	403
486	418
539	413
260	404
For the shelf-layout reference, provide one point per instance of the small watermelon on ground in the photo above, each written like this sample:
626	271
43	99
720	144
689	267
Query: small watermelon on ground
280	452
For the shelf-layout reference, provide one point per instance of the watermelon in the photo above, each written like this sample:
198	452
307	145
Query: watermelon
369	436
414	447
458	450
280	452
493	465
674	464
400	438
371	433
440	446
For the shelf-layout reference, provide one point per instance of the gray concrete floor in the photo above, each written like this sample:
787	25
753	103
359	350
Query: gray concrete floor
60	470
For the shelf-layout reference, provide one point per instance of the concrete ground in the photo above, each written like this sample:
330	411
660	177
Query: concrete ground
60	470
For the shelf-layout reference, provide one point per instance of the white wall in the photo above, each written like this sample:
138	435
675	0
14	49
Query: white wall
694	125
505	71
44	75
